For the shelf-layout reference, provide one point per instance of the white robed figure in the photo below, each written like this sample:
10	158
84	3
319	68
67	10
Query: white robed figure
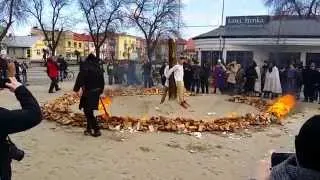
272	82
257	85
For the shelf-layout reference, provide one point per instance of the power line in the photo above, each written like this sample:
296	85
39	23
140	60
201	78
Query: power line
200	26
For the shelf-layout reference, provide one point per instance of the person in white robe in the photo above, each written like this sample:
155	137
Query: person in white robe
272	81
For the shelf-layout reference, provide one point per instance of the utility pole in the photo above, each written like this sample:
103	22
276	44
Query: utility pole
222	13
220	34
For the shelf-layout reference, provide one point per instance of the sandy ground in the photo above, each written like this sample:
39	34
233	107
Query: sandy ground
63	153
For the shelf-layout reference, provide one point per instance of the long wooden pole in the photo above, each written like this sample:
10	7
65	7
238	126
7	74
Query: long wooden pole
172	62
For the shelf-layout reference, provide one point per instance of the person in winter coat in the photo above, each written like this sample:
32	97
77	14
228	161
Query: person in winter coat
63	66
24	68
292	79
240	80
305	163
231	80
205	74
264	70
14	121
251	77
147	74
187	79
196	70
53	73
90	84
110	71
18	70
219	74
299	79
309	80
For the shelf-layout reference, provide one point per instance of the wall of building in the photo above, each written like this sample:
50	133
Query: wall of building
17	52
122	44
261	48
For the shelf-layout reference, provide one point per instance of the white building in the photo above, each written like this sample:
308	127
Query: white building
282	39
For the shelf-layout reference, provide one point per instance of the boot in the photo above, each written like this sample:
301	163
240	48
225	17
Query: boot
96	133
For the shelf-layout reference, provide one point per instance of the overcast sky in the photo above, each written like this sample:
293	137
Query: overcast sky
194	13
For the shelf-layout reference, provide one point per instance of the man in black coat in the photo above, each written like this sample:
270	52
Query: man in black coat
14	121
310	79
90	81
205	74
188	75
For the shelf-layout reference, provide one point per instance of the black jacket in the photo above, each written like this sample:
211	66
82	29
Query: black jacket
14	121
91	80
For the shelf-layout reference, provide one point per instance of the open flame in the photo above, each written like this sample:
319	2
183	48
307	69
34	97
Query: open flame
282	106
104	107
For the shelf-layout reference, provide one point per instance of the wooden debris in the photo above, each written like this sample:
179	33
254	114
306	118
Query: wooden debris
136	92
59	111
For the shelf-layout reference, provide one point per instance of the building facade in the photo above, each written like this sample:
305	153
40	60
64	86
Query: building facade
282	39
125	48
24	47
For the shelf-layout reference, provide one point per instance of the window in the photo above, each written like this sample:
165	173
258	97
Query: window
28	53
14	51
75	44
38	52
69	44
242	57
80	45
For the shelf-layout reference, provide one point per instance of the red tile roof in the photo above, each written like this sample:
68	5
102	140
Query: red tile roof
81	37
190	46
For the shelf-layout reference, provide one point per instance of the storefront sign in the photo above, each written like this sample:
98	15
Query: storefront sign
247	20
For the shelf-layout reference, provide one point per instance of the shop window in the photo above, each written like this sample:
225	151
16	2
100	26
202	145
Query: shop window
313	58
242	57
283	60
210	57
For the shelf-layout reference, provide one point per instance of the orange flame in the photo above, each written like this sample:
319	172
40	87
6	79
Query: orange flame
282	106
103	107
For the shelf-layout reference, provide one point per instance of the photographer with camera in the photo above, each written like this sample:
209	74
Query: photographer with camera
14	121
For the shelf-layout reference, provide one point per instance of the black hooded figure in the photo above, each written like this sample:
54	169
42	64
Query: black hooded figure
91	80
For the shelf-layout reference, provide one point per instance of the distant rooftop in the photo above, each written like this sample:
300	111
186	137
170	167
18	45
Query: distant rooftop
266	27
21	41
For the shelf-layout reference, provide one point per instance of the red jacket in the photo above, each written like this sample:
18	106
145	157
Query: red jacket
52	69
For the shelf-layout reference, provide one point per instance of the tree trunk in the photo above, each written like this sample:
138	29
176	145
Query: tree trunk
172	62
53	51
98	53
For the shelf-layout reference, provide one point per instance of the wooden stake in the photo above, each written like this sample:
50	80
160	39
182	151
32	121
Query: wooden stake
172	62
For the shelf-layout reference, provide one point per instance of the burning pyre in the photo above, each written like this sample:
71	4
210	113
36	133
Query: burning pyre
271	112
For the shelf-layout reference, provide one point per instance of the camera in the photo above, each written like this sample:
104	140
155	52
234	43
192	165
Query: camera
277	158
3	82
14	152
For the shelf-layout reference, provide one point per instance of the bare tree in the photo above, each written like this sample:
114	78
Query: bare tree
11	11
155	19
102	17
51	25
301	8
